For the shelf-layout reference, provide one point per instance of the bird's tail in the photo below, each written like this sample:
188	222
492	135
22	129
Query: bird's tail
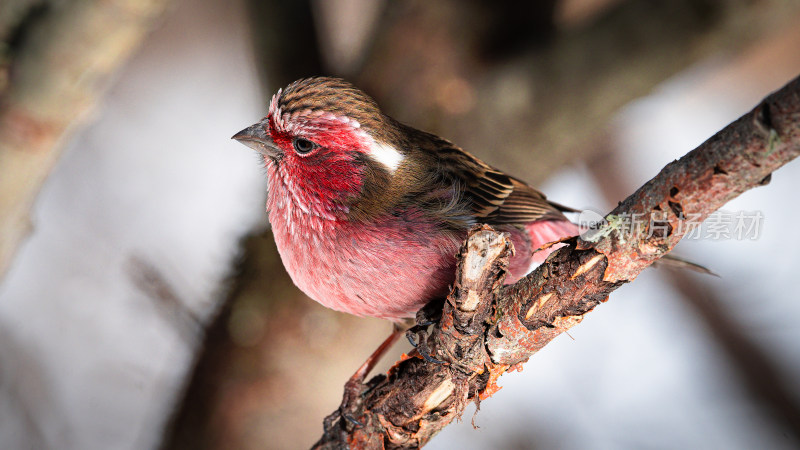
548	231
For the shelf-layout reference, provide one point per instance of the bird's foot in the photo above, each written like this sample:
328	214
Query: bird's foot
417	335
350	406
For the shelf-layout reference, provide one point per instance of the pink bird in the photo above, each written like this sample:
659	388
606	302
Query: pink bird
369	213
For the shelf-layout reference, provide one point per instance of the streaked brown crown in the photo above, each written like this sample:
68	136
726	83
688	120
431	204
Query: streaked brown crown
335	96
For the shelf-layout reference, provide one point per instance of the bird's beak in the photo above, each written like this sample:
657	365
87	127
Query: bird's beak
256	137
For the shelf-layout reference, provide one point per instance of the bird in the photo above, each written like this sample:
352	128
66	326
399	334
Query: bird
368	213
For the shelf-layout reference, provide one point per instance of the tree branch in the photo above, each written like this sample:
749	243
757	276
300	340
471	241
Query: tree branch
487	328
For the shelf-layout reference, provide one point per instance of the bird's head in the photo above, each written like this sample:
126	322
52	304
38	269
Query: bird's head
325	143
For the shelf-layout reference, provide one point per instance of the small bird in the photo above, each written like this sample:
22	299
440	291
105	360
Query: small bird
368	213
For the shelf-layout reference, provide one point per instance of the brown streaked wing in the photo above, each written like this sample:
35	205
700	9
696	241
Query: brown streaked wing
496	197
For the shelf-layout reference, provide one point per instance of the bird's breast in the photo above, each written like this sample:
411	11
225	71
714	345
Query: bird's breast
389	267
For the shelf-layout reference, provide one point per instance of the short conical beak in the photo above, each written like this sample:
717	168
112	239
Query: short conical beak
256	137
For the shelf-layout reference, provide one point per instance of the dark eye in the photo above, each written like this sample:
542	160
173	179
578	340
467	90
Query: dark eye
303	146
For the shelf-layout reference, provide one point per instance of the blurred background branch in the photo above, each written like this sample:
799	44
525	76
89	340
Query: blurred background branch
551	97
756	367
57	59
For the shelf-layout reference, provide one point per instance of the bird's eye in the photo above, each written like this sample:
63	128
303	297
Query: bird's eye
303	146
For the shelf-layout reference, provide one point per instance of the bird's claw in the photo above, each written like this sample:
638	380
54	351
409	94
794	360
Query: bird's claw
429	358
415	331
352	420
349	406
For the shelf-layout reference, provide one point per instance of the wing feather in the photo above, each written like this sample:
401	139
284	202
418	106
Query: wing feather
494	196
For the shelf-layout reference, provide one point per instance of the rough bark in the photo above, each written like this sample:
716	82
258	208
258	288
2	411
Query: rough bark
486	328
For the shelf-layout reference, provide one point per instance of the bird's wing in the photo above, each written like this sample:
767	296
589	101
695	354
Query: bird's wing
494	196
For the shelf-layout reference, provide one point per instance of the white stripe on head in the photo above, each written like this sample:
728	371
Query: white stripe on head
387	155
275	110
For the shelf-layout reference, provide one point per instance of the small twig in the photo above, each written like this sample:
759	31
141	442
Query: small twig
155	286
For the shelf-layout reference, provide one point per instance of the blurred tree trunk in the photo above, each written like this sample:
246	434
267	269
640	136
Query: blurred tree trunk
57	60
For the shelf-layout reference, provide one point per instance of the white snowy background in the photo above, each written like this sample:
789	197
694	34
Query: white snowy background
88	362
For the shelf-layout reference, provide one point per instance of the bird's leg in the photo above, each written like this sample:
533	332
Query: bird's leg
354	386
369	364
428	315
